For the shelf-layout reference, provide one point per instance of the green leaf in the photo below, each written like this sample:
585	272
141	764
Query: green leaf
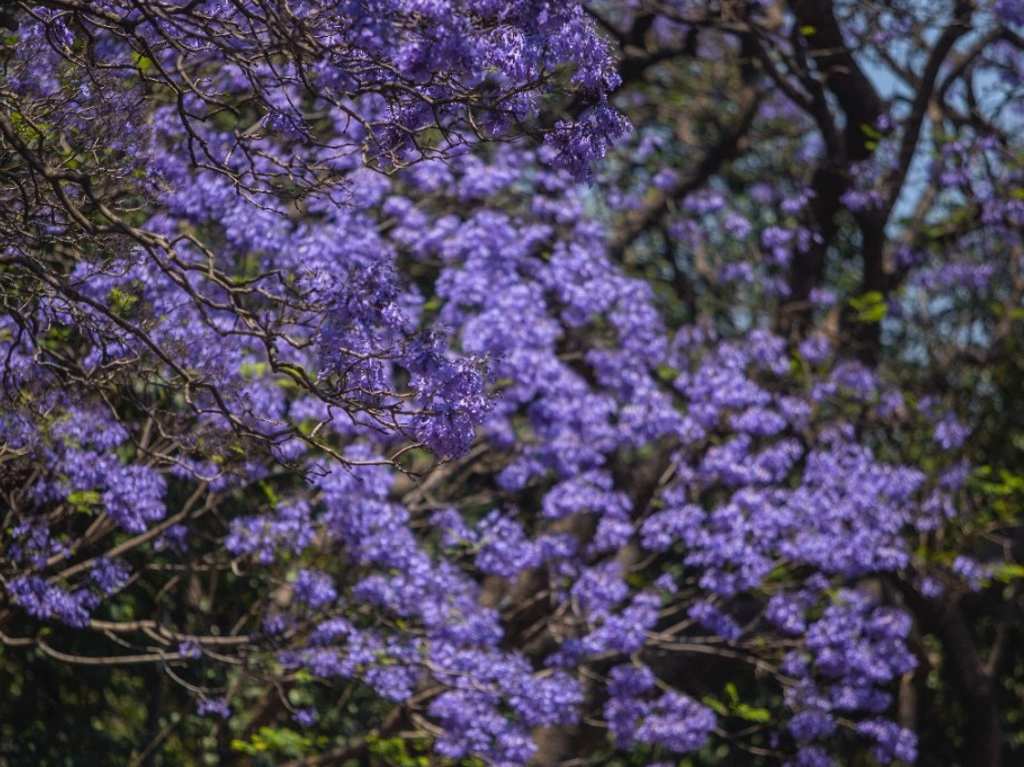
870	307
143	63
870	131
715	705
753	714
1008	572
280	740
253	369
121	302
393	751
667	373
269	491
865	300
83	501
243	747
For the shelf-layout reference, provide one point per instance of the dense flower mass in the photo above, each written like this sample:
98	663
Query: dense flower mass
761	474
336	369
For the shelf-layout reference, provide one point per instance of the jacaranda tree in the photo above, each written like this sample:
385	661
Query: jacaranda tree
478	382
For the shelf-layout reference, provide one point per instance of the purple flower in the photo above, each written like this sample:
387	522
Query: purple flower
892	742
314	589
951	433
811	725
714	620
972	571
43	600
190	649
213	707
306	717
110	575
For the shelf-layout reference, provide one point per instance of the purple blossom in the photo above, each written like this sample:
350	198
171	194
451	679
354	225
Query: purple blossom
190	649
110	575
314	589
811	725
973	572
213	707
306	717
892	742
43	600
714	620
950	432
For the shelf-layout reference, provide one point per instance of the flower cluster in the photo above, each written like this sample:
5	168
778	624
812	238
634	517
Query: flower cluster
433	439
